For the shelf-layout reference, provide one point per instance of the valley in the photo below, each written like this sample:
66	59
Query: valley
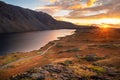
90	53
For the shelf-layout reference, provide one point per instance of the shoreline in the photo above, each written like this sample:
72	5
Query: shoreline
35	53
80	44
23	44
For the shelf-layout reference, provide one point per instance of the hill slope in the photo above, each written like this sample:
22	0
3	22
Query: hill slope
17	19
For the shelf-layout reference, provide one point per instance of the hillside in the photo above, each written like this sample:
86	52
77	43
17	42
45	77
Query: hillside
17	19
88	54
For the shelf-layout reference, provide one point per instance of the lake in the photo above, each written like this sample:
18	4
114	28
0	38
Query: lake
29	41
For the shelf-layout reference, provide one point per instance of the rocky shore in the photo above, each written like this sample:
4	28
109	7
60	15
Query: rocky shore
61	71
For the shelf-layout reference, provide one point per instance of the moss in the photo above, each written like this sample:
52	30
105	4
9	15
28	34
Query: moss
73	50
27	79
10	59
108	46
92	57
68	62
98	69
81	72
59	46
79	58
70	50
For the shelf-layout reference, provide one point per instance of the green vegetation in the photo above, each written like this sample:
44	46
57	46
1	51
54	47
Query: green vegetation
92	57
27	79
59	45
10	59
108	46
98	69
68	62
73	50
82	72
104	45
70	50
79	58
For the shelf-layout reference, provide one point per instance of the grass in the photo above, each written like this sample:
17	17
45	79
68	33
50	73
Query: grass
92	57
15	56
98	69
70	50
81	72
68	62
108	46
59	46
112	46
10	59
110	62
73	50
79	58
2	73
27	79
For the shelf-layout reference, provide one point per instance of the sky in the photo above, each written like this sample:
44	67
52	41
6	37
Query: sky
76	11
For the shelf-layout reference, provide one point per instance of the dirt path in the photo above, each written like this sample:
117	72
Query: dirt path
24	60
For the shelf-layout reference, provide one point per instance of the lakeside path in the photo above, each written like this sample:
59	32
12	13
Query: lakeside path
23	60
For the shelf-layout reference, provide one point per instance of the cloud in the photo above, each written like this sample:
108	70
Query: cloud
65	4
84	8
49	9
53	0
75	7
108	9
91	3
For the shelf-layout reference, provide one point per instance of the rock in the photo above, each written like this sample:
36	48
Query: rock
113	74
96	77
44	72
68	62
92	57
51	71
84	67
83	78
96	64
41	77
54	70
62	64
100	78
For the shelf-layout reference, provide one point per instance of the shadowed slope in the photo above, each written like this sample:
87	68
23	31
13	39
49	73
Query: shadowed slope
17	19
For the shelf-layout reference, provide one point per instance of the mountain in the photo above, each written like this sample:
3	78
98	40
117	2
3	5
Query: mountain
17	19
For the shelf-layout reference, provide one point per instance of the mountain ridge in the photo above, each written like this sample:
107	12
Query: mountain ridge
17	19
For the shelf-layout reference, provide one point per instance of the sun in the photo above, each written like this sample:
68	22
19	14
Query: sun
105	26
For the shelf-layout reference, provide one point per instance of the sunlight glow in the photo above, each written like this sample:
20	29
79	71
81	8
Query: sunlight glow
92	21
104	26
109	21
105	31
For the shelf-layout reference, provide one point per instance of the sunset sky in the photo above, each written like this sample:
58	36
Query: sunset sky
76	11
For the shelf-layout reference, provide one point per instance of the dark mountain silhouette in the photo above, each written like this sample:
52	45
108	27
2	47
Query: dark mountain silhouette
17	19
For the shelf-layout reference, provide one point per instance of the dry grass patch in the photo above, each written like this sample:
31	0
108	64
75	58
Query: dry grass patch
113	61
84	73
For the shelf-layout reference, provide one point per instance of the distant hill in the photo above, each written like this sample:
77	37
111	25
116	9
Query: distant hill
17	19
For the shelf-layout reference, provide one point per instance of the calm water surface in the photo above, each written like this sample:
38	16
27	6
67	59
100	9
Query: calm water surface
24	42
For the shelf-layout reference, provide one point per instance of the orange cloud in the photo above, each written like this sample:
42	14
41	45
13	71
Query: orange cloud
90	2
75	7
49	9
53	0
81	6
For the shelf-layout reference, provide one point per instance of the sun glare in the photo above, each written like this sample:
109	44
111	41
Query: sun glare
102	21
104	26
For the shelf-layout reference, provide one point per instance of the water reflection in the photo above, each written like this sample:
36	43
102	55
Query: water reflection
22	42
